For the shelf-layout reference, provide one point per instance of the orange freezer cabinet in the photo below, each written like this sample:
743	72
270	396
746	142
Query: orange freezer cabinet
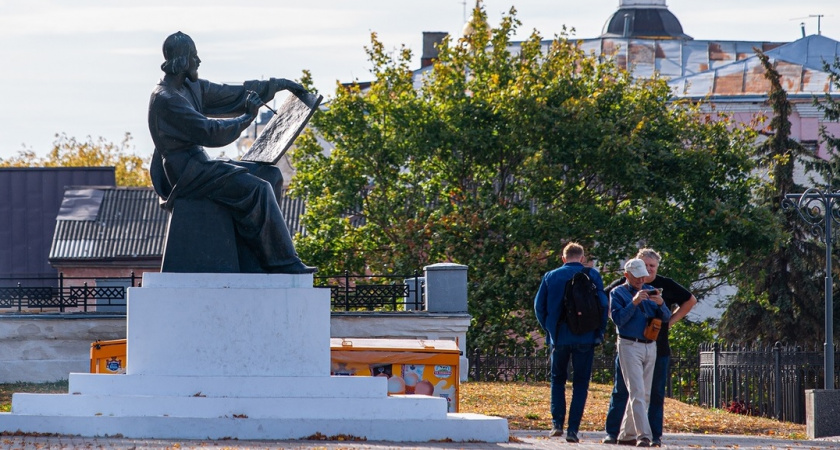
413	366
108	356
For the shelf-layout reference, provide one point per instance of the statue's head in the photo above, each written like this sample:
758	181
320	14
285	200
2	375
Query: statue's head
180	56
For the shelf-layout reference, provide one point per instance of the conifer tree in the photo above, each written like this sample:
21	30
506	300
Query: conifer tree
779	286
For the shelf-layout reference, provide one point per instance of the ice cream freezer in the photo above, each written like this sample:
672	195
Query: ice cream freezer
108	357
412	366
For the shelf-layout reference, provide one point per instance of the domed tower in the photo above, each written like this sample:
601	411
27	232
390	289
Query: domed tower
643	19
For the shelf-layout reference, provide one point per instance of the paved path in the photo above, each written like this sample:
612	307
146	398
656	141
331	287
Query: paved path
538	440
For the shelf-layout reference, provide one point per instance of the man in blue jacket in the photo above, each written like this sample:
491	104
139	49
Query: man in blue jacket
579	348
632	305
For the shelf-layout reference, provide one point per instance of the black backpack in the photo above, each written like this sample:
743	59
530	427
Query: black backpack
582	308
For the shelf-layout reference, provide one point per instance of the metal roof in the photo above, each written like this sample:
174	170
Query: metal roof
122	223
799	63
671	58
30	200
293	209
109	223
644	22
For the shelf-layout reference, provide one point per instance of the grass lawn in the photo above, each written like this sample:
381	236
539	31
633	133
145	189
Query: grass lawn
526	406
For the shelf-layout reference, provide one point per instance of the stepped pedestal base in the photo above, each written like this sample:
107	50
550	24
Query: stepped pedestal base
239	356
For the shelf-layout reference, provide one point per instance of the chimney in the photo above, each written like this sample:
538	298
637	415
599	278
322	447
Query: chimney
430	53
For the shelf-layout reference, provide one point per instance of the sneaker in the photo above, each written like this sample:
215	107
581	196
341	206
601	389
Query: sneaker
571	436
609	440
555	432
643	442
656	442
627	442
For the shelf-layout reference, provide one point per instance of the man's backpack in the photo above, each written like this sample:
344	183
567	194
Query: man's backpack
582	308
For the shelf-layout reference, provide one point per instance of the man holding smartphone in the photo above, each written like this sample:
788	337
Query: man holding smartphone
632	305
674	295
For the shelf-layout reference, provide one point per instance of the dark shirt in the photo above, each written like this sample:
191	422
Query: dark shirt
673	294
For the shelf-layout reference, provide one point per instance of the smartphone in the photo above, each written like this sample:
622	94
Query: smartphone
654	291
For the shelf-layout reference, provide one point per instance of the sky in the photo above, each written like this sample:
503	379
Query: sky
87	67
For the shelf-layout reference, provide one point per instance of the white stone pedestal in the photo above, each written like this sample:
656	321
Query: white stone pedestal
240	356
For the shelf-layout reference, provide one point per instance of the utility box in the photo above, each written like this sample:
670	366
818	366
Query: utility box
412	366
108	357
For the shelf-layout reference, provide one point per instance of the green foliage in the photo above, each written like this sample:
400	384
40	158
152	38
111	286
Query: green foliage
130	169
780	284
498	159
686	336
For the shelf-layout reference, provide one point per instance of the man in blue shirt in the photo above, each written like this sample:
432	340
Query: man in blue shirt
632	304
680	301
579	348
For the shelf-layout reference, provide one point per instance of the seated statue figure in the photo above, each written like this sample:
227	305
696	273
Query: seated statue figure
186	114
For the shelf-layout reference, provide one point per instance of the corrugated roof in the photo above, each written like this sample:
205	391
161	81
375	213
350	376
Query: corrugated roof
129	224
292	209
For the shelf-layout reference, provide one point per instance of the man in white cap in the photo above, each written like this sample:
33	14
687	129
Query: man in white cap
632	304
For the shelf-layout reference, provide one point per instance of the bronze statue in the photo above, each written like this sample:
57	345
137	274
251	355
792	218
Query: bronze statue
186	114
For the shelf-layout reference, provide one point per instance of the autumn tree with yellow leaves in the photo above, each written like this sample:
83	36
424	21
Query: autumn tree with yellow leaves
130	169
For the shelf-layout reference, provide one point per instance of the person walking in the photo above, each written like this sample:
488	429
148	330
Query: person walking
566	345
680	301
632	305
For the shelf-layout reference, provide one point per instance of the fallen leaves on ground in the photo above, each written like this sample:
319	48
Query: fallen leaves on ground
526	406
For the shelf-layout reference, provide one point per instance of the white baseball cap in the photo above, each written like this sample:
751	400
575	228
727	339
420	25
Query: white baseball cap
636	267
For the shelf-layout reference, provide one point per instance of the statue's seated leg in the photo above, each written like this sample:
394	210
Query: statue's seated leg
266	172
201	238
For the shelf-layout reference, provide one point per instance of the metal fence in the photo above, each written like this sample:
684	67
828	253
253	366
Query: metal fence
768	381
375	292
523	365
65	294
108	294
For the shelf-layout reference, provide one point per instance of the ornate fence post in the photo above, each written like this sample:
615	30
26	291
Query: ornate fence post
85	297
819	210
777	358
61	291
475	362
716	376
346	290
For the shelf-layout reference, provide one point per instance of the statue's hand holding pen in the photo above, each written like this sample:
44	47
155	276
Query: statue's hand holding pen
253	102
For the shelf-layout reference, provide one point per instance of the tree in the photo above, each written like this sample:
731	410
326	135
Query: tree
498	159
130	169
779	294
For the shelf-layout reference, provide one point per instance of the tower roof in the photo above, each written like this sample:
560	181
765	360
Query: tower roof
644	19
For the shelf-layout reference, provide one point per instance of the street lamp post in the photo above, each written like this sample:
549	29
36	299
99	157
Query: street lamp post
820	210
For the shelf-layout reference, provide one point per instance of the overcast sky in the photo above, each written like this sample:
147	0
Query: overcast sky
86	67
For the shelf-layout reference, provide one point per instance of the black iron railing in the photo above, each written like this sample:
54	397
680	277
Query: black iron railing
108	294
768	381
375	292
65	294
523	365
